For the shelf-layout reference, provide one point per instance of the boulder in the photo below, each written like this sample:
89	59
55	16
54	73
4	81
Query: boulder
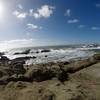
43	51
22	59
24	52
2	53
42	73
97	56
17	68
37	51
4	59
79	65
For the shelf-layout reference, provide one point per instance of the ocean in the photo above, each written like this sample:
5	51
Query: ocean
53	53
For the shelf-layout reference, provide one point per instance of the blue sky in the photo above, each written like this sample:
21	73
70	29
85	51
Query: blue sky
49	22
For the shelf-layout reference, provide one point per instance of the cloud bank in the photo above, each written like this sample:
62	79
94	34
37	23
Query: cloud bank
44	12
17	43
33	26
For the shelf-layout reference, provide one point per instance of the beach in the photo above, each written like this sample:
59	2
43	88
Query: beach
49	50
71	74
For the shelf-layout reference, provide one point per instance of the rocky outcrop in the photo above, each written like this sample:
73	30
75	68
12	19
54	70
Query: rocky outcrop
59	70
44	51
42	72
4	59
79	65
17	68
2	53
38	73
22	59
75	80
97	56
24	52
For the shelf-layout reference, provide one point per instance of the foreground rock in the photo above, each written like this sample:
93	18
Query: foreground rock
46	90
79	65
18	68
42	72
90	79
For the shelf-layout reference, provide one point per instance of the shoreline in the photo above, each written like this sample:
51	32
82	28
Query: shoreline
17	66
48	81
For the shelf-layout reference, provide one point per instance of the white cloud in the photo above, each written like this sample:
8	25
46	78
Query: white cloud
20	15
36	15
98	5
81	26
45	11
20	6
95	28
16	43
31	12
68	13
33	26
16	13
73	21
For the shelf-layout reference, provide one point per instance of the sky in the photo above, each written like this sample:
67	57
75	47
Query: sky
49	22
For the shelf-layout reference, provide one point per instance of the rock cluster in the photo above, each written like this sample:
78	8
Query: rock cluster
52	79
42	72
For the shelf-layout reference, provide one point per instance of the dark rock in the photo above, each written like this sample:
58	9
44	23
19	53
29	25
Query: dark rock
43	51
5	71
2	73
4	59
41	72
46	56
22	59
97	56
3	80
37	51
38	73
17	68
24	52
2	53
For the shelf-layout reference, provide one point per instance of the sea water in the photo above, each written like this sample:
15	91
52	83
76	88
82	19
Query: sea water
57	53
